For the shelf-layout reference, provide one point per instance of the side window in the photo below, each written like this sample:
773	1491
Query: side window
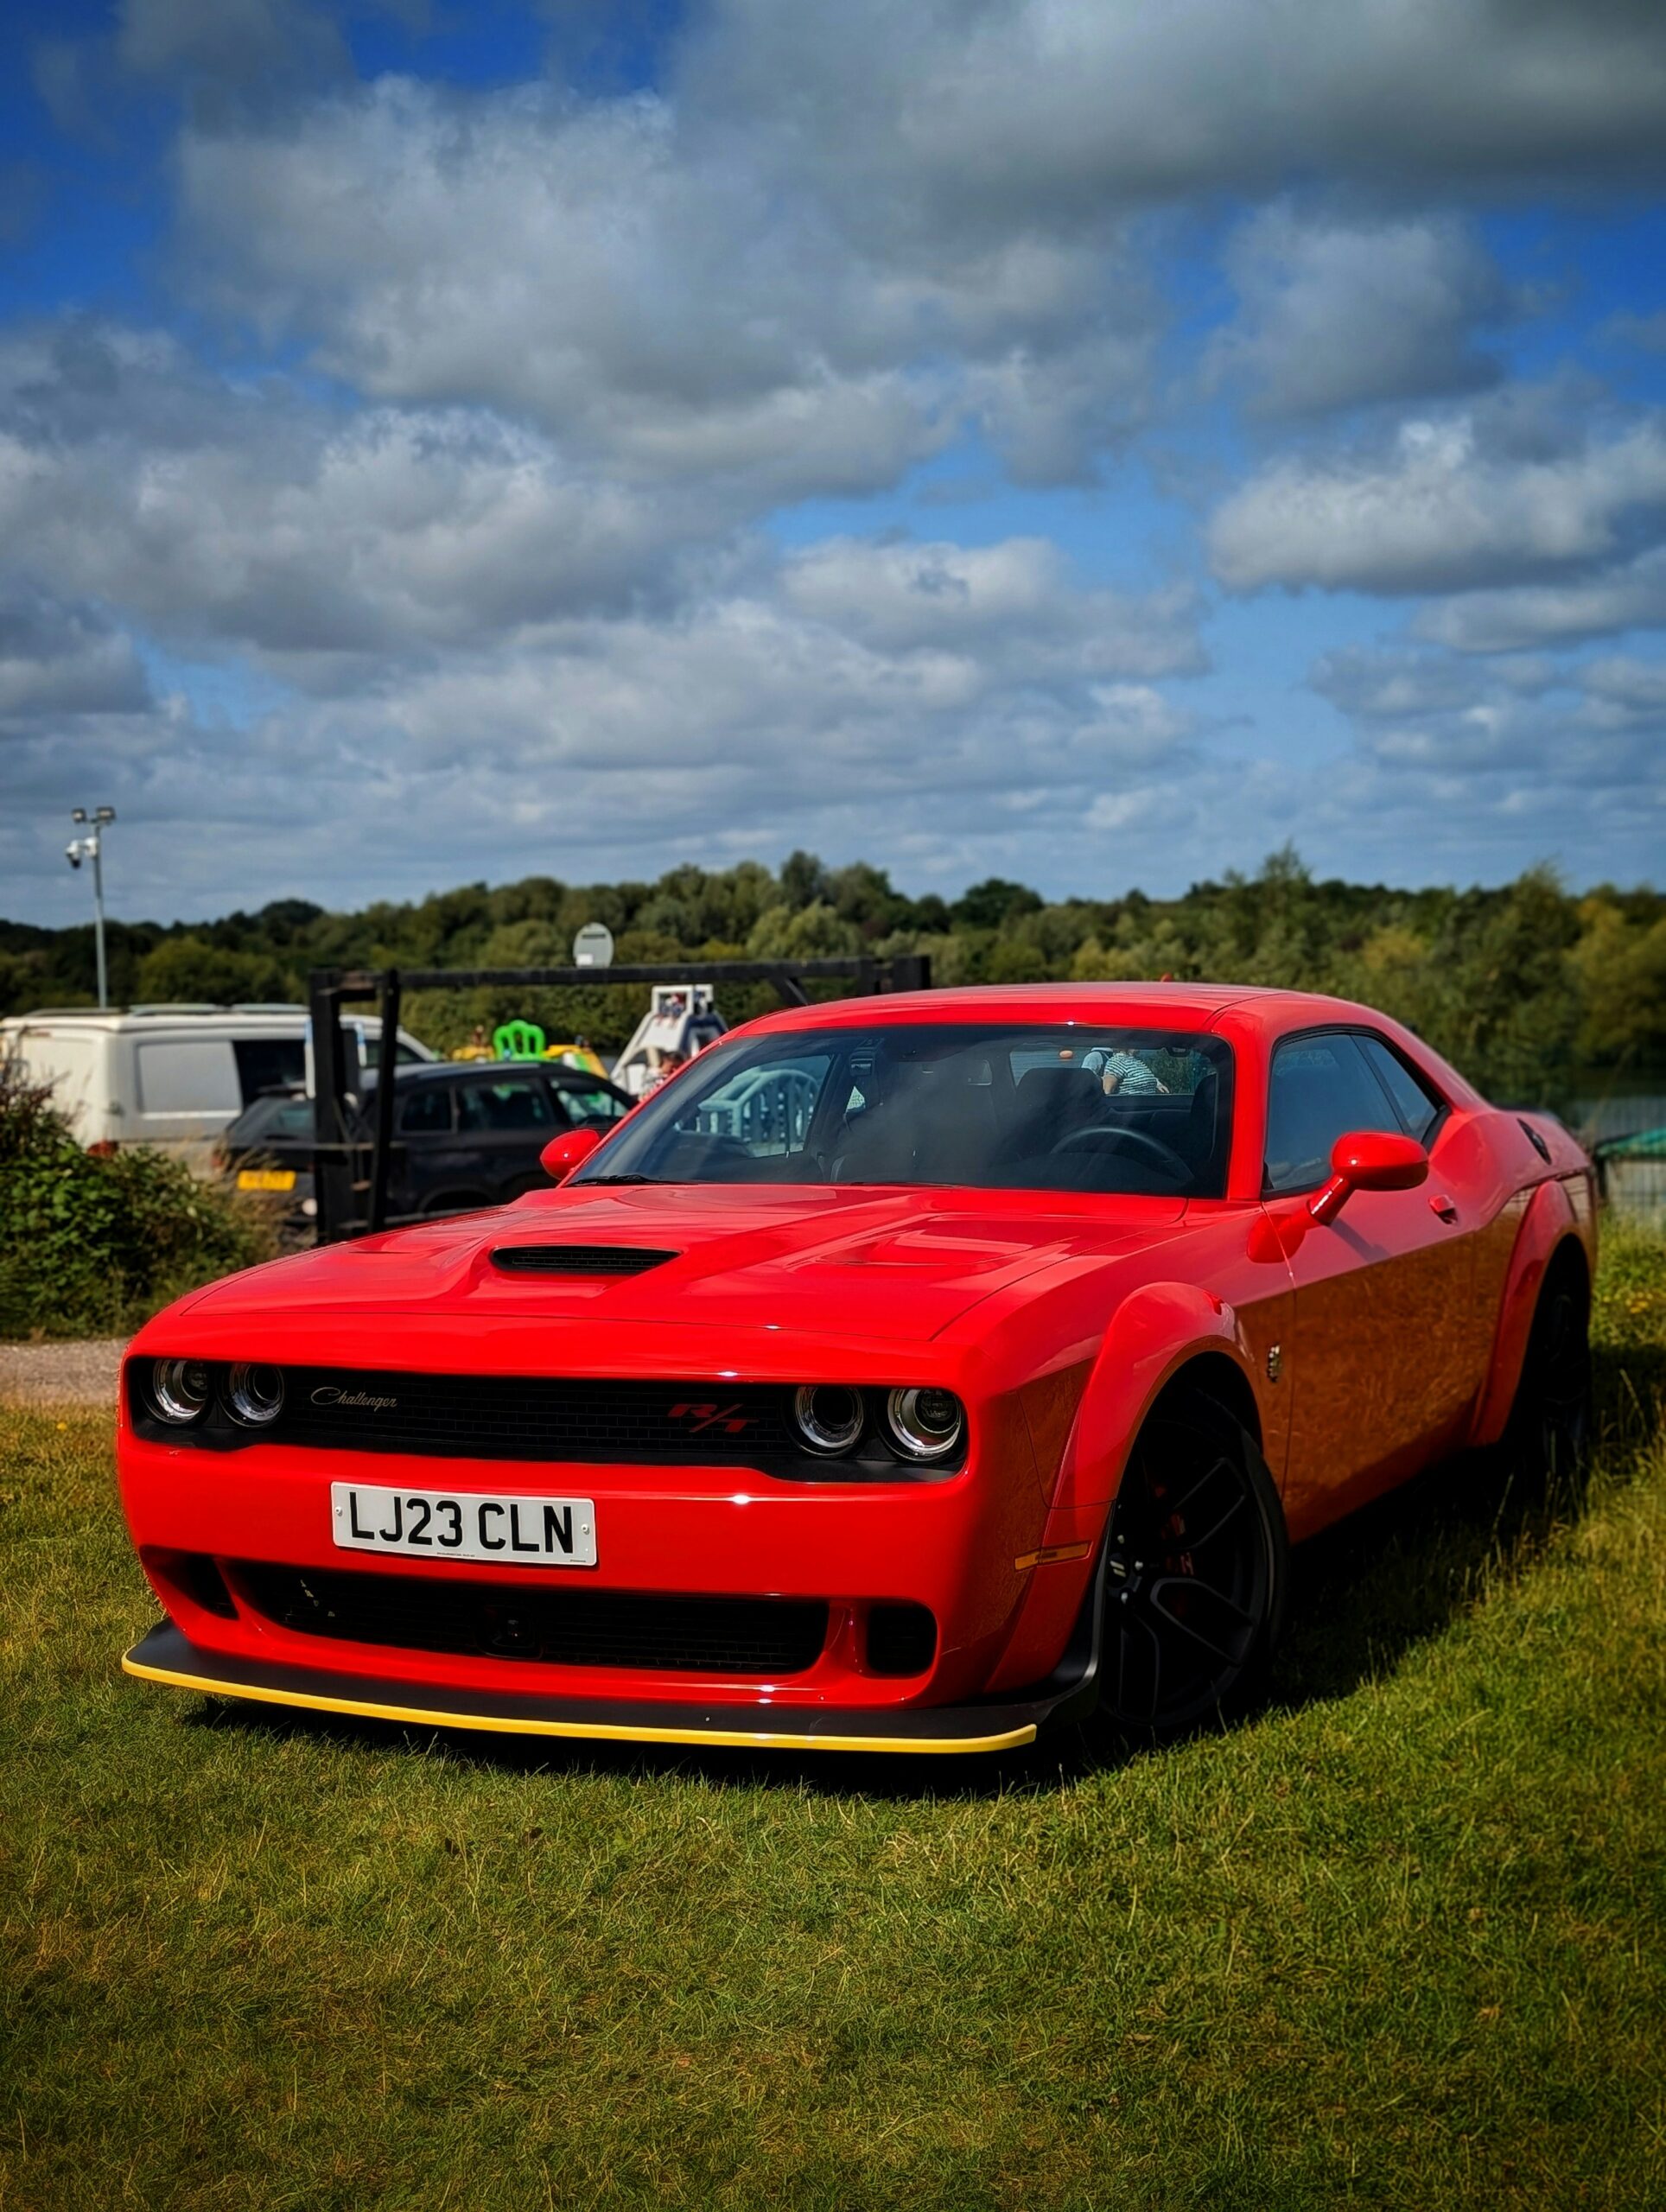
268	1063
1320	1087
589	1105
189	1076
293	1119
1416	1108
513	1102
426	1110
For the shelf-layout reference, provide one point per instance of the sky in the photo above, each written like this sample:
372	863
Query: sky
1082	441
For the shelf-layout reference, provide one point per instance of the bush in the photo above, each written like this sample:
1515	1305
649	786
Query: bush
94	1246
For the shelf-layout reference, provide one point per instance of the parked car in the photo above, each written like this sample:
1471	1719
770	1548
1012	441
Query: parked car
466	1134
172	1076
982	1385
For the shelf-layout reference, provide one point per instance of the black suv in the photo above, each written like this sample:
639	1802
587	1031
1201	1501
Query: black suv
465	1134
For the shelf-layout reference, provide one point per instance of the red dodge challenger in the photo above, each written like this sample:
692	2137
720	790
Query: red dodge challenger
908	1374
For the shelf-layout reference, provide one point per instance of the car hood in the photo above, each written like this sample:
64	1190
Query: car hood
892	1266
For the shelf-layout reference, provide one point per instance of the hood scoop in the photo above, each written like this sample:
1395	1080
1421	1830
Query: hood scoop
578	1259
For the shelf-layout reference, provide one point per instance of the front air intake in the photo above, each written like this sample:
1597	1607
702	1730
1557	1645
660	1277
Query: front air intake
651	1631
577	1259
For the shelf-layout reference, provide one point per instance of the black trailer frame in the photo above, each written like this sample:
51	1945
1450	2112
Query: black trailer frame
350	1171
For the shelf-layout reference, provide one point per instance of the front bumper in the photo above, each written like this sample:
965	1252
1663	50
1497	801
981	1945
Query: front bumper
953	1547
167	1654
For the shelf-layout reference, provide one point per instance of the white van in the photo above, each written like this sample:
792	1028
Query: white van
172	1076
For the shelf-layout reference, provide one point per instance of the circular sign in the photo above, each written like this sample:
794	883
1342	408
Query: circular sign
594	946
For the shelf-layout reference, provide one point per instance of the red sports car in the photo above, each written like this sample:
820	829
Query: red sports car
907	1374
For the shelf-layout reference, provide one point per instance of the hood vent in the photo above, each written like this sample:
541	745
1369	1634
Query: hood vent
577	1259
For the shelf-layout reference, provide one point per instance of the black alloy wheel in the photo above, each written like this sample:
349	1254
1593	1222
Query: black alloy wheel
1547	1441
1196	1571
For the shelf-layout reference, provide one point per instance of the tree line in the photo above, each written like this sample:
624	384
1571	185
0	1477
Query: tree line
1519	986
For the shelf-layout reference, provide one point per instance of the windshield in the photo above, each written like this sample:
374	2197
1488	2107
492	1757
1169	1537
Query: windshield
1048	1109
274	1117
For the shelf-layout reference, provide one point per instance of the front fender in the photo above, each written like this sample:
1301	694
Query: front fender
1154	1333
1551	1217
1152	1336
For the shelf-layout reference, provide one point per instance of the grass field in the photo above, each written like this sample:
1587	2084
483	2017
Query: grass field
1399	1943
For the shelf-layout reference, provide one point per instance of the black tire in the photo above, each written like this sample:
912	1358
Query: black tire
1547	1441
1196	1571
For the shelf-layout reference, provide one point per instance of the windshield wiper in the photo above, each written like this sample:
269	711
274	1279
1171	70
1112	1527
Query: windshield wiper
589	1182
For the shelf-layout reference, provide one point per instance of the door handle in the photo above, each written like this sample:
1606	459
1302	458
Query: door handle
1441	1205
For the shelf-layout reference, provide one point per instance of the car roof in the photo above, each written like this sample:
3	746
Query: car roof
1255	1014
284	1023
486	1072
1165	1005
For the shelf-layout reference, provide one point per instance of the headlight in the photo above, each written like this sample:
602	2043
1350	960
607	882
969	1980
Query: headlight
828	1416
256	1394
180	1389
924	1424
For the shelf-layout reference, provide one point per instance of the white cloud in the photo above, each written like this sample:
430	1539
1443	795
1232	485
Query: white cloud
1622	692
227	44
648	293
1336	313
1573	729
1442	511
1389	683
988	117
58	660
497	574
1017	594
1629	595
730	725
227	517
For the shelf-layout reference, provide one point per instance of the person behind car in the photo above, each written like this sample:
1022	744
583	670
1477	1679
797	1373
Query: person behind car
662	1066
1122	1075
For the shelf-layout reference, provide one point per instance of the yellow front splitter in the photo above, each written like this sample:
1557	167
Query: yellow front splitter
167	1656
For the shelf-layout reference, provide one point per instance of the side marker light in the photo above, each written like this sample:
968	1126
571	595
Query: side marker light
1051	1552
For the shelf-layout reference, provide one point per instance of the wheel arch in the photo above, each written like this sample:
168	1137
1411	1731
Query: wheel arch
1164	1332
1552	1237
1214	1376
1166	1337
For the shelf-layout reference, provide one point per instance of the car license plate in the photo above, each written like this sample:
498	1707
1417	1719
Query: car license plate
463	1524
266	1179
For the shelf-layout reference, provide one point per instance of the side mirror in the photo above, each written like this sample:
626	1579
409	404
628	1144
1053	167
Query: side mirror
1368	1159
562	1154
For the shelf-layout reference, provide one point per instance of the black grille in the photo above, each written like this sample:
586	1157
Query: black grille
765	1636
577	1259
534	1418
538	1418
901	1639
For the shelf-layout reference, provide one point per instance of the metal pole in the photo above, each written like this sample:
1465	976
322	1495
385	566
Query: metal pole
97	842
387	1063
331	1170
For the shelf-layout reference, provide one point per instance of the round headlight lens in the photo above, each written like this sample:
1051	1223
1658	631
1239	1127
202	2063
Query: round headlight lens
828	1416
924	1424
255	1393
180	1389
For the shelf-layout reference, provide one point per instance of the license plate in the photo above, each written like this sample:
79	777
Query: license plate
266	1179
464	1525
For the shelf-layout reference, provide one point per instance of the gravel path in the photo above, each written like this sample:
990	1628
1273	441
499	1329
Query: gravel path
82	1374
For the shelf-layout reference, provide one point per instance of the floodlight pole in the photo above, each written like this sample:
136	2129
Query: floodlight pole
92	848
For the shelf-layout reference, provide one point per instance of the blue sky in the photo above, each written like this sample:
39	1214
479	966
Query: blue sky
1089	443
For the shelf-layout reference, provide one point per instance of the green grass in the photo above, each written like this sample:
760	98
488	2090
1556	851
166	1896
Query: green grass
1399	1942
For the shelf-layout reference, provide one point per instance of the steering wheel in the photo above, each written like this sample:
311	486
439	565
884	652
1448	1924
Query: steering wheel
1090	1139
